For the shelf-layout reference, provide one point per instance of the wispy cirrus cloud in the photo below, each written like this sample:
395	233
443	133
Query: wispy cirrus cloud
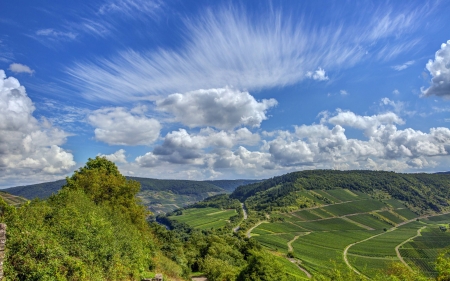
229	47
403	66
102	20
55	34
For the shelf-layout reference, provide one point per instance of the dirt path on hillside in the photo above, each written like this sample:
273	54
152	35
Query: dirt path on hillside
404	242
389	230
199	278
245	217
297	263
349	246
249	232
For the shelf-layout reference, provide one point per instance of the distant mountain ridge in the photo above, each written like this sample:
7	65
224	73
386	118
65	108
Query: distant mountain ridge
422	192
159	195
185	187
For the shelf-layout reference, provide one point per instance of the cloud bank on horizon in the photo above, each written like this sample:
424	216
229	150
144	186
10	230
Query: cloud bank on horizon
223	90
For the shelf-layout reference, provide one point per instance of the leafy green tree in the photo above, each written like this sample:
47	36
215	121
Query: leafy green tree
262	267
443	267
101	180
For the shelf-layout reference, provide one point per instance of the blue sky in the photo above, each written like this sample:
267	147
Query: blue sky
223	89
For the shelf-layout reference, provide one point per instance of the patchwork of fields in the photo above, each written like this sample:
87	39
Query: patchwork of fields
12	199
370	229
205	218
348	229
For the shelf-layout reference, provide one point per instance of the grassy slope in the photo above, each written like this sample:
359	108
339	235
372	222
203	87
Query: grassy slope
12	199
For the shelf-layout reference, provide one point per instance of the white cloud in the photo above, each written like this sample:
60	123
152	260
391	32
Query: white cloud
343	92
29	148
229	47
319	74
386	147
401	67
117	157
117	126
396	92
440	71
130	8
211	153
366	123
56	35
180	147
20	68
221	108
398	107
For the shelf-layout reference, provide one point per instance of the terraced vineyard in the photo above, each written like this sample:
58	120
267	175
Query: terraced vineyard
370	229
422	251
12	199
205	218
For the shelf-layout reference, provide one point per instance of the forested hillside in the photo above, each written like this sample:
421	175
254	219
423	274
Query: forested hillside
421	192
40	190
159	195
231	185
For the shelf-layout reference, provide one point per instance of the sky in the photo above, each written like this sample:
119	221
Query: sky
223	89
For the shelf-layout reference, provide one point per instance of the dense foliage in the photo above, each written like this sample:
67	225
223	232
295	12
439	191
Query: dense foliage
96	229
185	187
221	201
231	185
422	192
93	229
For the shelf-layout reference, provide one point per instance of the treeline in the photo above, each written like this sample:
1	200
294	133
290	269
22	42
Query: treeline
231	185
422	192
181	187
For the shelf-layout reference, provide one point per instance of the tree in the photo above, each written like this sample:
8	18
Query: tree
101	180
262	266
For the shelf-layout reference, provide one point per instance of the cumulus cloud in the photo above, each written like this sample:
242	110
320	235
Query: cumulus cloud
223	108
28	147
181	147
385	146
326	145
396	92
117	157
20	68
440	72
401	67
366	123
319	74
118	126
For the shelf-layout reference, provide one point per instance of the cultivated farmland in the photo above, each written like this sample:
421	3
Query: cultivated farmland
205	218
365	226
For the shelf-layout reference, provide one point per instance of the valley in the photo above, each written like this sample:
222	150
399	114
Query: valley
365	232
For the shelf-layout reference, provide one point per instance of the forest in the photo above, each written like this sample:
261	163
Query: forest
95	228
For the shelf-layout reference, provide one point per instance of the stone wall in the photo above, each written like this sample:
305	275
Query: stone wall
2	247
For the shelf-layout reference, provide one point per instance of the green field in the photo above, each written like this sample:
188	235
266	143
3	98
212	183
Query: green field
324	232
12	199
343	194
360	206
370	221
205	218
166	201
406	213
422	252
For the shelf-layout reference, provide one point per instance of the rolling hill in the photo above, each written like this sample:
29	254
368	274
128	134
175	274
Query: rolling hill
364	221
12	199
159	195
